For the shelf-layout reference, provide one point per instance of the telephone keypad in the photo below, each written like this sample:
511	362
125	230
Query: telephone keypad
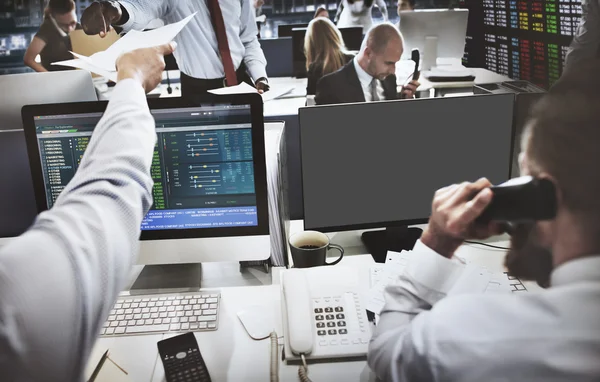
333	326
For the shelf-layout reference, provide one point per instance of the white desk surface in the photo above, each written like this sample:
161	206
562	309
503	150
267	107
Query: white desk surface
231	355
291	102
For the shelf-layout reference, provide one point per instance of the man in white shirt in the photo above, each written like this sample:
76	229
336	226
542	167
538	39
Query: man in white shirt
423	335
371	75
586	42
218	47
59	280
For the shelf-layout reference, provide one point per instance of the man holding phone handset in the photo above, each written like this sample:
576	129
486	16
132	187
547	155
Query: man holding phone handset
422	335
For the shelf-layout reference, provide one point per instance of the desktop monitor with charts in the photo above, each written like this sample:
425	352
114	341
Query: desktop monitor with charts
378	164
437	33
210	191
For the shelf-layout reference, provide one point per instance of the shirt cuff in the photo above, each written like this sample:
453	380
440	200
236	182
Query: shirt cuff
129	24
129	90
432	270
256	70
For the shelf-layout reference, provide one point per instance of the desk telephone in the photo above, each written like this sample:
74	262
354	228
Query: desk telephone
322	321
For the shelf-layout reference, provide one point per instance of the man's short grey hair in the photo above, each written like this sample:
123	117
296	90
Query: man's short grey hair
378	37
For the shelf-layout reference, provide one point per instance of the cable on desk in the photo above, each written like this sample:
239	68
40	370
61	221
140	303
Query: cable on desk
486	245
274	360
303	370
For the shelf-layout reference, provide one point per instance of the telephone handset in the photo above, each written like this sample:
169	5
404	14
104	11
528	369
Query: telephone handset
523	199
322	322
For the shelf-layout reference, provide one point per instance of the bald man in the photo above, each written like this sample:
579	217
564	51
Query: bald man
370	76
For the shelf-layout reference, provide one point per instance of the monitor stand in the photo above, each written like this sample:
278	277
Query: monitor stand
168	276
392	239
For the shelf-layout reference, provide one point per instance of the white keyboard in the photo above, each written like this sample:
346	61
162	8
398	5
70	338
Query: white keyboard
163	313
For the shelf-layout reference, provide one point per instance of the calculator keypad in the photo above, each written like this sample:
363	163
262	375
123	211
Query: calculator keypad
186	366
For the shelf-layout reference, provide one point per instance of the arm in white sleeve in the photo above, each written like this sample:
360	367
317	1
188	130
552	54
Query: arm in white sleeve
254	58
59	280
141	12
586	43
383	8
398	340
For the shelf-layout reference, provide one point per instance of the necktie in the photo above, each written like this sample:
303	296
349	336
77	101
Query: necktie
219	26
374	94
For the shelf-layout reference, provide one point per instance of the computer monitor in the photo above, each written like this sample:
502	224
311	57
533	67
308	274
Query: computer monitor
352	37
17	90
285	30
437	33
210	188
298	56
370	165
278	52
17	201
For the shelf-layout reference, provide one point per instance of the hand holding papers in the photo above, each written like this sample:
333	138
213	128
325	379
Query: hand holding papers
104	63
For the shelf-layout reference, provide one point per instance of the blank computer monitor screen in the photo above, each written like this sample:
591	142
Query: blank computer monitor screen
285	30
378	164
352	37
204	165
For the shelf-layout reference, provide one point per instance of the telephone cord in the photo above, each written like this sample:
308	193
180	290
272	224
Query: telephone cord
274	358
303	370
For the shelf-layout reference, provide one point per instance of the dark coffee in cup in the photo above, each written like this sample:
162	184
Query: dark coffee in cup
309	249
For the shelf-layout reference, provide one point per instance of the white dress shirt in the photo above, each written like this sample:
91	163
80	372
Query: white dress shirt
365	82
586	42
59	280
422	335
358	15
198	52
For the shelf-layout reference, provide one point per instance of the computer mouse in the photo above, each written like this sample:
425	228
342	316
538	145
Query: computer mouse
258	321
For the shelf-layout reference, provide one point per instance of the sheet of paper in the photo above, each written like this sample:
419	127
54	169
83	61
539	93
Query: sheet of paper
104	63
395	263
242	88
80	64
276	92
137	40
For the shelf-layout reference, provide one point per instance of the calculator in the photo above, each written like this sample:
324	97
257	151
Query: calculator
182	360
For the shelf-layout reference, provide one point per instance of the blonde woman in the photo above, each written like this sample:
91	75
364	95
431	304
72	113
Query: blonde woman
325	51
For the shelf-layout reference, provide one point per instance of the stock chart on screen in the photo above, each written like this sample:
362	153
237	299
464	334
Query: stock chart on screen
522	39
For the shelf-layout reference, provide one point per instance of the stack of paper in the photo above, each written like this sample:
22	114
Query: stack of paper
274	132
104	63
474	279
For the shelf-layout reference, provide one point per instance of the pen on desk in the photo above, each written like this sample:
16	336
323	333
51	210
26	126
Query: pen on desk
120	368
98	367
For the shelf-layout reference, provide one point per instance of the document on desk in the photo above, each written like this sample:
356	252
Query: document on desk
395	263
104	63
474	279
244	88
